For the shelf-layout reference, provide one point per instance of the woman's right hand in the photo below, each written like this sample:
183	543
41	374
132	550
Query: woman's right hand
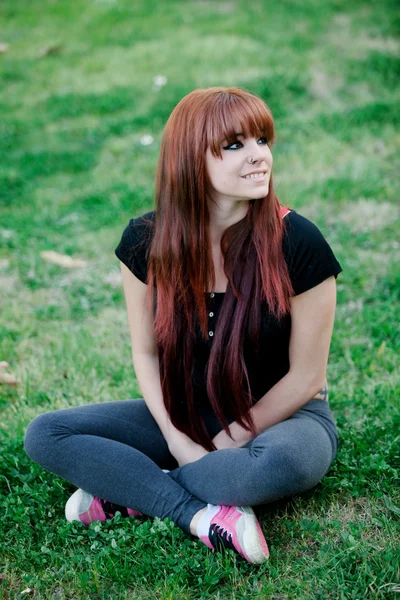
185	450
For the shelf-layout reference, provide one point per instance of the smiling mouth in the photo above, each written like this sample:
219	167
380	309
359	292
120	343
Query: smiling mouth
256	176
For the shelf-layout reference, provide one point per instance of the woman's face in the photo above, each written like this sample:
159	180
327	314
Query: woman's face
230	175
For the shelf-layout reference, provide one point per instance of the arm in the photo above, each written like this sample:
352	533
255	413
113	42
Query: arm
181	446
312	316
146	365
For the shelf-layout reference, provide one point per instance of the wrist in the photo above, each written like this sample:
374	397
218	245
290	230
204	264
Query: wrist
176	437
240	437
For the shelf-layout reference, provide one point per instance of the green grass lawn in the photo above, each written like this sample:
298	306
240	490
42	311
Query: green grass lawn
74	170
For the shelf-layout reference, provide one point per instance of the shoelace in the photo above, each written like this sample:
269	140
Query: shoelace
110	509
220	537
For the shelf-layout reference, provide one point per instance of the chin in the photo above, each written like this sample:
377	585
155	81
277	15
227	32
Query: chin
261	193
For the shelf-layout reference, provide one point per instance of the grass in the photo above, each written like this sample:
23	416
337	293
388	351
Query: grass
74	170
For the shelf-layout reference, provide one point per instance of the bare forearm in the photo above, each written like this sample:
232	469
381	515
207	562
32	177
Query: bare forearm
279	403
148	375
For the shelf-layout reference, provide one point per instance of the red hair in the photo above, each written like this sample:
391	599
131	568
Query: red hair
180	265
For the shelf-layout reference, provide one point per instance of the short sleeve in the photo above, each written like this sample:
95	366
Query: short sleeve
309	257
131	250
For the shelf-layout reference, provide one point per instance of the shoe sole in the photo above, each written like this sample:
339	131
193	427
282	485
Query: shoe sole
79	503
254	544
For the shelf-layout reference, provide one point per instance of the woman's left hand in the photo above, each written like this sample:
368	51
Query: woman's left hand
185	450
222	441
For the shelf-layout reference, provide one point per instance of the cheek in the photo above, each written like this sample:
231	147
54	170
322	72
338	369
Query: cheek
223	180
224	174
214	174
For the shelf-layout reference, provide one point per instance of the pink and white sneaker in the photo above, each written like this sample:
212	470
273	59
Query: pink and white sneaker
86	508
234	527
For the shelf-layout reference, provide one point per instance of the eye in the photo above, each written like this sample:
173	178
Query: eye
230	147
233	144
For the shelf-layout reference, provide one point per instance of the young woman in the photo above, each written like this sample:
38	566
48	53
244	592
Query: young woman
231	301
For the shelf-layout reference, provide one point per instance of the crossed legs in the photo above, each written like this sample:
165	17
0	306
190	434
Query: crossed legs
116	451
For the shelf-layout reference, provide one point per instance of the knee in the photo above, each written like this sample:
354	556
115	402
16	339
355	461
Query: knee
291	467
37	435
300	470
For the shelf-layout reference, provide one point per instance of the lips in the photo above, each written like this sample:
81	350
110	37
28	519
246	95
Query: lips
255	172
255	176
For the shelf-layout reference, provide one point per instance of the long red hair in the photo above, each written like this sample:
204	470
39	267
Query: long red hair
181	269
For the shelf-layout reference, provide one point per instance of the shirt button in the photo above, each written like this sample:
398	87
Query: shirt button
211	314
212	294
210	333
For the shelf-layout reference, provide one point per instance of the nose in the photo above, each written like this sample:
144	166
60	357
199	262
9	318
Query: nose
257	152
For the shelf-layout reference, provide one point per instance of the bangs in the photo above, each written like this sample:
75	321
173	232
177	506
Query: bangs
232	114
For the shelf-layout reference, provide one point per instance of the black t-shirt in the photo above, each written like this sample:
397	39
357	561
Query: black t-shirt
310	261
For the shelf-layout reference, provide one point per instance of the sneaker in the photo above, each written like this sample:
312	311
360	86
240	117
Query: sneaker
86	508
234	527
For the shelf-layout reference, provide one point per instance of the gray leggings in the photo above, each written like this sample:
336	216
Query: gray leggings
116	451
